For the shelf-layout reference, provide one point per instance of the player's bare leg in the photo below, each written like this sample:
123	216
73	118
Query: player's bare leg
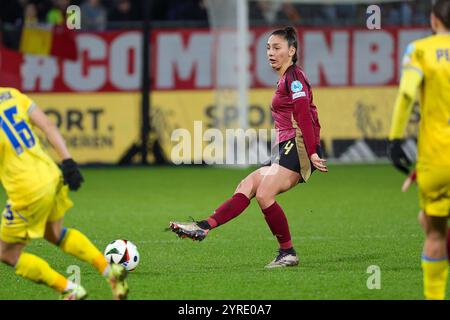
436	236
73	242
423	221
434	257
245	191
278	180
275	180
250	184
10	252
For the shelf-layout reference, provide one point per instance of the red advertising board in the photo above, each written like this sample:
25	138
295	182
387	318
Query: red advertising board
199	59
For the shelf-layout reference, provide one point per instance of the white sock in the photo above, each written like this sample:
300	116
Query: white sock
107	270
70	285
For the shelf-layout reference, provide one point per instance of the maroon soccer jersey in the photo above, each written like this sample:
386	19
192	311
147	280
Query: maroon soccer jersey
292	105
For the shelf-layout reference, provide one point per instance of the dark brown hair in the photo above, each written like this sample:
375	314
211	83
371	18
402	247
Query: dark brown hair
441	9
290	34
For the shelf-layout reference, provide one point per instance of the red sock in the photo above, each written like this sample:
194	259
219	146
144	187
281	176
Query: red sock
278	224
230	209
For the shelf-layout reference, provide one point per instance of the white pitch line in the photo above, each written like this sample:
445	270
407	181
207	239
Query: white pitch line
319	238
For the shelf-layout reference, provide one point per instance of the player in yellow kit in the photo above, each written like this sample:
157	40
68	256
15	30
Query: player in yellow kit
426	68
38	199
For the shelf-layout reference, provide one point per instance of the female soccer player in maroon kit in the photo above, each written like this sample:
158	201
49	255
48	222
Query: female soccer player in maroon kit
298	153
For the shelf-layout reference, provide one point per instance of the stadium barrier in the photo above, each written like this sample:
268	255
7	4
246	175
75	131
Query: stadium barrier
96	100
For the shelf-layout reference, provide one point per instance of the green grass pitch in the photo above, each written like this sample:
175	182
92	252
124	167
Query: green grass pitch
341	223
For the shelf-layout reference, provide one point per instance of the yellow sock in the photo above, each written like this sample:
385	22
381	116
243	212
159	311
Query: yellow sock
435	273
78	245
38	270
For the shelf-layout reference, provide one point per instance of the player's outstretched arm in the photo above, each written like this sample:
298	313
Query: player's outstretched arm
409	84
71	173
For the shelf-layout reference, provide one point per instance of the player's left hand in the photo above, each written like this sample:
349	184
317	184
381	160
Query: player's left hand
319	163
72	175
398	156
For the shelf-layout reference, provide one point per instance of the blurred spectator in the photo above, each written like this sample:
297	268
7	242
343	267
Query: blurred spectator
56	15
271	12
406	14
291	13
93	15
329	13
347	14
31	14
390	15
122	11
11	11
274	12
421	15
187	10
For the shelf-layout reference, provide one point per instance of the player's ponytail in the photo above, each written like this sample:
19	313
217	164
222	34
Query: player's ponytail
441	9
290	34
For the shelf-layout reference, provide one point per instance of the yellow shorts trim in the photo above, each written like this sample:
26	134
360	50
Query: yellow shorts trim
20	225
434	191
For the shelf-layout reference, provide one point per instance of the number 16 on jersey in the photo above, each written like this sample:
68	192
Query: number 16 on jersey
21	128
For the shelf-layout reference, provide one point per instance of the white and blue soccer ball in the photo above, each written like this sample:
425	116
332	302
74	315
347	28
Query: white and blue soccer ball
122	252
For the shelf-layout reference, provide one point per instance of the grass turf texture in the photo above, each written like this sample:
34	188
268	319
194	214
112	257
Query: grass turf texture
341	223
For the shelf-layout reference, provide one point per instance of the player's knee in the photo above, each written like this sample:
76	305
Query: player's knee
436	236
264	197
246	187
8	257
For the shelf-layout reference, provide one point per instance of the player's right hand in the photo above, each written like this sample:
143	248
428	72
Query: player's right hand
72	175
398	156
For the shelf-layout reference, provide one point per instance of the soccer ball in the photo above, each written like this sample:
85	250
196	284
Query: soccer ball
122	252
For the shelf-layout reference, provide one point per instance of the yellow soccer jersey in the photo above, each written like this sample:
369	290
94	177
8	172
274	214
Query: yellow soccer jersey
24	166
427	64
